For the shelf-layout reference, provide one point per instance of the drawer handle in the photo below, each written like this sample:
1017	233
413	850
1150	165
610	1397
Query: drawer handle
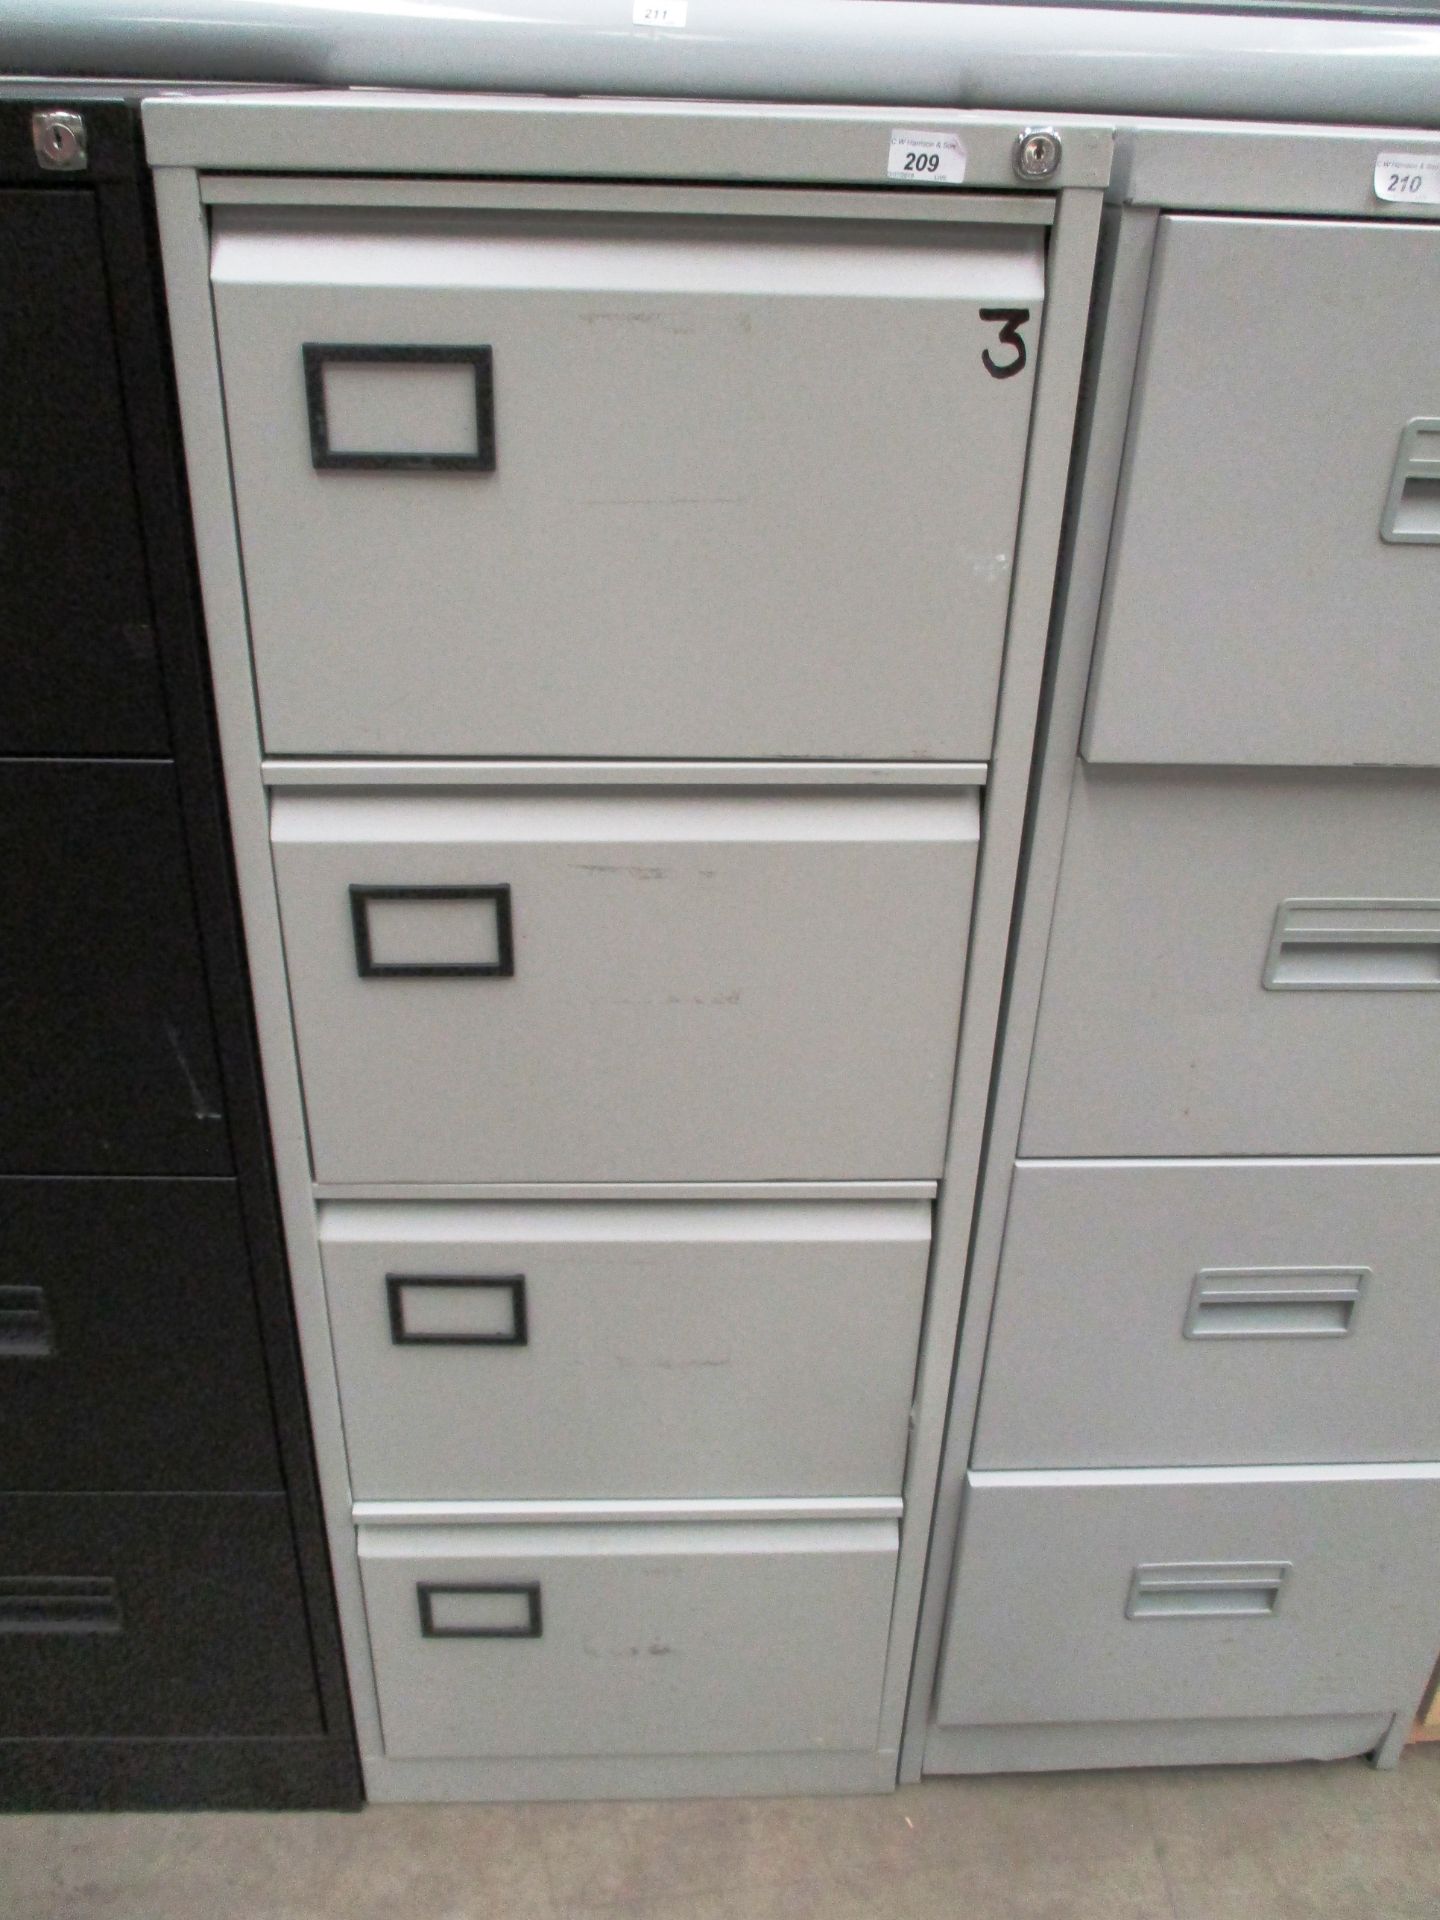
1412	506
479	1611
1355	946
59	1603
450	1310
397	923
351	412
26	1329
1207	1590
1275	1303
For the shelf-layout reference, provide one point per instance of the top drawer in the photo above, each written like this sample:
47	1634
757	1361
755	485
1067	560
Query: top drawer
1256	614
78	668
591	484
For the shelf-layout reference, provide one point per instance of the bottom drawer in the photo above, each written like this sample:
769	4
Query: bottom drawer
684	1638
1183	1595
152	1615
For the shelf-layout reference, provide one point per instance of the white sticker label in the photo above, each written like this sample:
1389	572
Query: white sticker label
1412	177
660	13
927	156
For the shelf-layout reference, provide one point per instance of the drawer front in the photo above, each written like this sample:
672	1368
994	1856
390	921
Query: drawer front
78	667
1182	1595
152	1615
662	1639
1262	1312
109	1060
1273	583
655	487
582	988
617	1351
1242	963
122	1302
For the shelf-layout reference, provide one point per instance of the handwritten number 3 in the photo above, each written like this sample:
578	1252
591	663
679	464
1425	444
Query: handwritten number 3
1011	320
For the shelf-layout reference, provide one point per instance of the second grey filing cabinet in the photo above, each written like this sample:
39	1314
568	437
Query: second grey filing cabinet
1197	1483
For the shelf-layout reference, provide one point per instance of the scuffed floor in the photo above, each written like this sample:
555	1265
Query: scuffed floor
1277	1843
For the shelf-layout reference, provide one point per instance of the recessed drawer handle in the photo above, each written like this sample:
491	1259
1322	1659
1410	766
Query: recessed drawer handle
1275	1303
59	1603
400	409
1207	1590
471	1611
1412	506
455	1310
26	1329
433	933
1355	946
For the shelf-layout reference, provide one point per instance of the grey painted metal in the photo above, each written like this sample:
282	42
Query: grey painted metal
938	1479
671	1350
665	403
1207	1589
1156	60
185	248
637	1190
1253	613
1386	1755
1038	1629
1156	1034
630	1777
1354	946
1071	259
714	201
1201	165
652	139
705	986
368	772
1207	166
1275	1303
1411	516
1101	1259
1058	1747
809	1771
564	1513
1071	269
653	1639
1003	805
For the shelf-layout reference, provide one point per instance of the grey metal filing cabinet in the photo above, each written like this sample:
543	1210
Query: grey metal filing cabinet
628	602
1190	1505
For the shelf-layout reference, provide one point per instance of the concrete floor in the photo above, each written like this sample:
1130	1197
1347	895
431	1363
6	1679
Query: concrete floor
1277	1843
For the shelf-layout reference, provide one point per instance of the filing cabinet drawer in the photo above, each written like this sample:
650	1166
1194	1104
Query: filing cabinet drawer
668	1350
1186	1595
79	671
122	1303
1259	1311
629	1639
1274	573
589	987
164	1615
584	484
1242	963
110	1060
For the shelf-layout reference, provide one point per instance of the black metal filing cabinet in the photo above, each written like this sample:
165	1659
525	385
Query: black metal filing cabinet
167	1632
